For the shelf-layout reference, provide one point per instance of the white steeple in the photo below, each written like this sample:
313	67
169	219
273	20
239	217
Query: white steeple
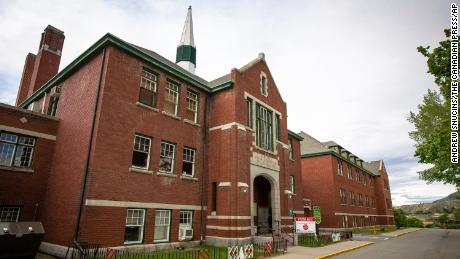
186	51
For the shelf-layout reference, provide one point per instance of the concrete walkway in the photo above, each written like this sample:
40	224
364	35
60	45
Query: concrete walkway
400	232
300	252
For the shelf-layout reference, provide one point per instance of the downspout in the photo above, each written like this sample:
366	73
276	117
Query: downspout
88	152
205	167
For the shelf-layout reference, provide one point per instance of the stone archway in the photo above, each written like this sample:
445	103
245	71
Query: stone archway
264	179
262	203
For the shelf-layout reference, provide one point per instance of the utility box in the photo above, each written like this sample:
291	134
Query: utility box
20	239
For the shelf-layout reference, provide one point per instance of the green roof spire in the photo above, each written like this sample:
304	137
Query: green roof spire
186	51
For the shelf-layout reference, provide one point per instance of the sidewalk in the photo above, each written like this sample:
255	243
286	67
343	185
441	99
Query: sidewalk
300	252
400	232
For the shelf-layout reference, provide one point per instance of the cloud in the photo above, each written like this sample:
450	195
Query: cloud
348	70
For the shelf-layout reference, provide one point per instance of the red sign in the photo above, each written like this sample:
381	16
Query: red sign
304	219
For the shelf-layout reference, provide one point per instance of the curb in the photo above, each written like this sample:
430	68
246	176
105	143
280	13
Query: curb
344	250
407	232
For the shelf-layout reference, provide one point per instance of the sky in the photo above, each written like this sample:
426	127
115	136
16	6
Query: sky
348	70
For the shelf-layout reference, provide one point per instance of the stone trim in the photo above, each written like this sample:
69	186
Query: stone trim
171	115
28	132
17	169
190	178
228	217
146	107
166	174
148	205
228	228
369	215
224	184
241	184
230	125
138	170
191	123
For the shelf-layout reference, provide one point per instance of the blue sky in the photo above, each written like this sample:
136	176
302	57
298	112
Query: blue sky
348	70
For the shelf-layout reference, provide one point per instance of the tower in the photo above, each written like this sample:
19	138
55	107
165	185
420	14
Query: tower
186	51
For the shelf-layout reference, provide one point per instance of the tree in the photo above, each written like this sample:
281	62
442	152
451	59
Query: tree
432	120
442	219
457	214
414	222
400	218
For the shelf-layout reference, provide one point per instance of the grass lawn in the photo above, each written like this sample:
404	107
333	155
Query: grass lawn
371	231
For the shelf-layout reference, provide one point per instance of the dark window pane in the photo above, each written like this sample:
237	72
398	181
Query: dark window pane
132	234
140	159
147	97
187	168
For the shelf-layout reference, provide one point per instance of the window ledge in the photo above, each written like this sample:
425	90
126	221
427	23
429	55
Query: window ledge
165	174
146	107
139	170
190	178
171	115
191	122
266	150
17	169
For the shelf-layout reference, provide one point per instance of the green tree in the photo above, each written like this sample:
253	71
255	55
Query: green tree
442	219
414	222
400	218
457	214
432	119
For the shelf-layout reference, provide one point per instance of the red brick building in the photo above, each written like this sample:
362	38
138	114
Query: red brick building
350	192
123	147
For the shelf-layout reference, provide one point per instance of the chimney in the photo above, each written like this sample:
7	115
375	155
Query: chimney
40	68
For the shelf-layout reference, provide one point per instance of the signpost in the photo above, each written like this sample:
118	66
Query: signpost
317	214
305	225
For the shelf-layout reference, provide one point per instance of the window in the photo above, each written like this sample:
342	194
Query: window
167	157
186	218
250	112
52	107
16	150
263	85
148	91
191	111
360	200
188	163
214	196
367	201
373	202
9	214
343	197
171	97
134	228
339	167
349	172
352	198
364	179
358	176
345	221
264	127
355	221
278	127
291	184
162	225
141	152
291	149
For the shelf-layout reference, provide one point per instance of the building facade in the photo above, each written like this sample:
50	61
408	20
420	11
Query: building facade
350	192
123	147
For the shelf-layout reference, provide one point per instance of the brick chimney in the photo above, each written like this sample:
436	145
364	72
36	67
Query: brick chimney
40	68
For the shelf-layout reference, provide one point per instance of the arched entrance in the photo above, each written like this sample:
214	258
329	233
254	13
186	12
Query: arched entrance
263	205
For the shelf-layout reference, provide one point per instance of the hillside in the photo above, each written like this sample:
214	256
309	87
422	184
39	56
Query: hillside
444	205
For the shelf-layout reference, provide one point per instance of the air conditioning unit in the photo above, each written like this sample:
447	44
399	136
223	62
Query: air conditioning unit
185	232
56	91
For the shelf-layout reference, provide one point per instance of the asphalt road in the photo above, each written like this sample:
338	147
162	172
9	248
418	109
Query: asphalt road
426	243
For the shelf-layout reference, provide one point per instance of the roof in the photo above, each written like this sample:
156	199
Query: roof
295	135
141	53
373	166
310	145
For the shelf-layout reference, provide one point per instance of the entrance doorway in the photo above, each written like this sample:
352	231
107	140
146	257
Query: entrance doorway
263	205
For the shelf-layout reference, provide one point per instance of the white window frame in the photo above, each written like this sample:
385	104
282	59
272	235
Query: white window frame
141	236
158	212
352	198
192	102
292	184
185	159
343	196
265	138
186	214
162	154
29	145
349	172
291	149
4	213
149	81
339	167
142	151
263	84
172	95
